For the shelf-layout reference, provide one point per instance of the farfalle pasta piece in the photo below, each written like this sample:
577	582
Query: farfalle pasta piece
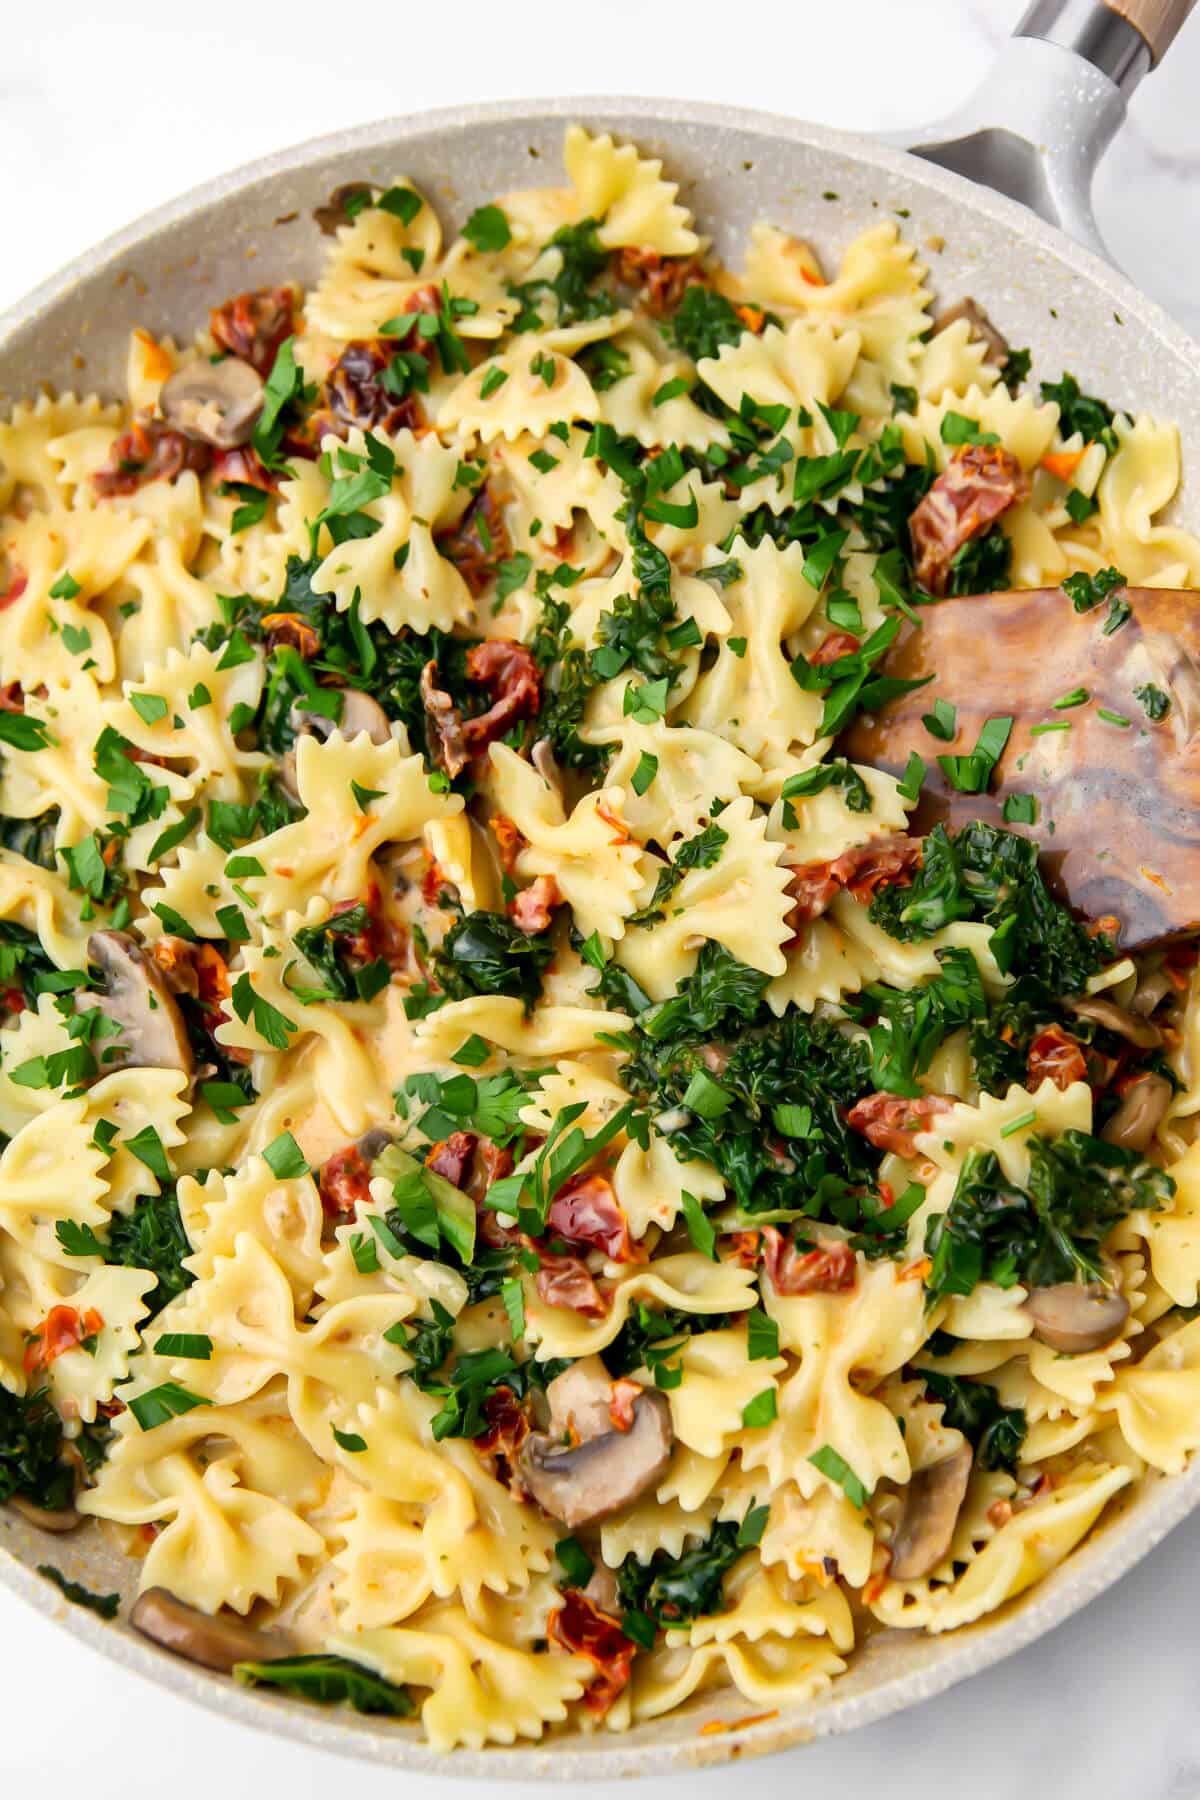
626	192
328	852
283	1214
686	1281
398	573
590	854
741	901
752	699
692	768
481	1690
529	390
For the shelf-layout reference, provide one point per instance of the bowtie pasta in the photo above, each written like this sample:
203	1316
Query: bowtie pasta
534	1191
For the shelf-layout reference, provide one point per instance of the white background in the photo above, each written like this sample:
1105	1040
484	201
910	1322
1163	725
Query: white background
106	110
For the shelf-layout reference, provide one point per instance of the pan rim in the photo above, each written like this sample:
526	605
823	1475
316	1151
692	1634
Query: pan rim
1124	1542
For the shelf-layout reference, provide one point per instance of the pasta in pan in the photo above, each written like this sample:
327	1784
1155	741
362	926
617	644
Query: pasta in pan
538	1182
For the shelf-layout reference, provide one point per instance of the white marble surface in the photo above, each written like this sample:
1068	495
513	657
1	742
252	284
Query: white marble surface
107	110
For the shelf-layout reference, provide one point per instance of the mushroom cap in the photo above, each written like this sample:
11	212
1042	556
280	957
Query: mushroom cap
1073	1318
218	403
596	1478
932	1502
360	712
1132	1026
46	1518
1141	1112
216	1641
137	998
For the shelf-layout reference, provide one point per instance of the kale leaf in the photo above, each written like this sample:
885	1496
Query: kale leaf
328	1680
1077	411
703	321
152	1237
975	1409
674	1590
1050	1231
485	953
30	1447
991	875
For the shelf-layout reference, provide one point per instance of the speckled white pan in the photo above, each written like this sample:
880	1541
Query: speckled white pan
254	227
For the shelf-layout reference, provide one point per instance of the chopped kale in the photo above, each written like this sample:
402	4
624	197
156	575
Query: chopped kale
152	1237
106	1606
1079	1188
703	321
485	953
30	1449
1080	412
671	1591
983	565
328	1680
975	1409
991	875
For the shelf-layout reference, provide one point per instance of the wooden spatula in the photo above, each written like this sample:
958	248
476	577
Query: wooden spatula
1118	804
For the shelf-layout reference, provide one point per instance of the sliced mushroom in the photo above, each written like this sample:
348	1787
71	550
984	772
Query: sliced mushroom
543	760
998	351
216	1641
1135	1029
137	998
1152	989
373	1143
46	1518
1073	1318
1141	1112
932	1502
218	403
607	1469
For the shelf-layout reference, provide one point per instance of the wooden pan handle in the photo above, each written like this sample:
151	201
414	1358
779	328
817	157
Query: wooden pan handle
1158	21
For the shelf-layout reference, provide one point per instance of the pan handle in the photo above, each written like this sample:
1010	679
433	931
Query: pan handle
1157	21
1122	38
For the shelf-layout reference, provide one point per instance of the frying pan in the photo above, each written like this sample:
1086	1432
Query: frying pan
1035	132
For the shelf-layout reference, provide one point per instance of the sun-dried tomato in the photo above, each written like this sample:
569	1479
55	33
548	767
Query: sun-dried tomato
18	582
566	1281
254	325
890	1121
245	467
355	392
582	1629
980	482
622	1401
586	1211
838	643
508	1425
509	841
479	543
12	697
345	1184
509	673
532	908
661	280
451	1157
1056	1056
149	451
293	630
884	861
829	1269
